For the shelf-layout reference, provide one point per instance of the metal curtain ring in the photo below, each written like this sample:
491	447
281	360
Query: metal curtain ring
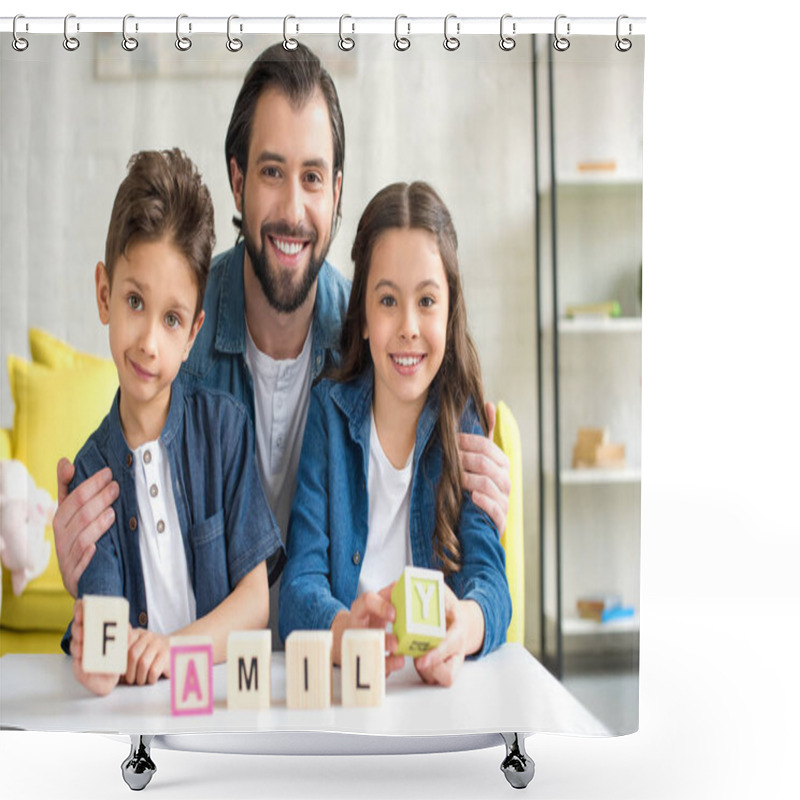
451	43
129	43
507	42
288	42
346	42
183	43
560	43
623	45
70	42
233	44
401	42
18	42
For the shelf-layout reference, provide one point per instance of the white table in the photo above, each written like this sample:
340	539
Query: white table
508	694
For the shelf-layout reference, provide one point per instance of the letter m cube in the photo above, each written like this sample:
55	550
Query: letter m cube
418	599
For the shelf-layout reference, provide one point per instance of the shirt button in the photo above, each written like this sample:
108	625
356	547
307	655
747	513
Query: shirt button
132	523
147	456
128	460
153	491
356	558
142	618
160	526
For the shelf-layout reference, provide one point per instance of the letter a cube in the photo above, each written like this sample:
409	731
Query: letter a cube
191	661
249	661
105	634
418	599
363	667
308	669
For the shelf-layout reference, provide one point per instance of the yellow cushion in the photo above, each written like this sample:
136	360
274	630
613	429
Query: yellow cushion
30	642
5	443
46	349
507	438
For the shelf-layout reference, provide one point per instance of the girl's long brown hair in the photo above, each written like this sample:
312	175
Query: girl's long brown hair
417	205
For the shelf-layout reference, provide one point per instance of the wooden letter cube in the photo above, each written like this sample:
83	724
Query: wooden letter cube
191	662
249	661
418	599
363	667
308	669
105	634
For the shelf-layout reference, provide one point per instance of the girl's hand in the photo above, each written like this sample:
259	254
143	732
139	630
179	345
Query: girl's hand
369	610
99	683
442	664
148	657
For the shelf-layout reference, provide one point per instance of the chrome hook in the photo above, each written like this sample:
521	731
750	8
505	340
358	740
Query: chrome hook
70	43
401	42
18	42
129	43
623	45
233	44
183	43
507	42
560	43
288	42
346	42
451	43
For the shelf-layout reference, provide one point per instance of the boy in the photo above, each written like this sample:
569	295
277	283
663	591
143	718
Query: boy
192	530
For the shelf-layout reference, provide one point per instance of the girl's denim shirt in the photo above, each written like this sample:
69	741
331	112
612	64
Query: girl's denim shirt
327	535
226	523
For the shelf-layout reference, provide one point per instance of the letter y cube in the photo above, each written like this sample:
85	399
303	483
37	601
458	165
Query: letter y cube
418	599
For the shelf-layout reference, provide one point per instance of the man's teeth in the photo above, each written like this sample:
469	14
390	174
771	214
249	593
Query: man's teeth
407	361
288	248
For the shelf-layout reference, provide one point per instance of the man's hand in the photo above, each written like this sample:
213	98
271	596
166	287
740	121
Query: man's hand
81	519
486	472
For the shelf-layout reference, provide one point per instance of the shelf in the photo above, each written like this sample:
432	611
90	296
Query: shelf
600	325
576	626
598	475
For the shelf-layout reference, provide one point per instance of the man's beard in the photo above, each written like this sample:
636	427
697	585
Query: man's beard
277	283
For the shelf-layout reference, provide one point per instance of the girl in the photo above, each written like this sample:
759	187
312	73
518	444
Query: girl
379	484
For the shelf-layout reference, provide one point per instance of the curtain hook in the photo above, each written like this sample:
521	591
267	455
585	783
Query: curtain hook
129	43
233	44
451	43
346	42
288	42
507	42
560	43
623	45
17	42
183	43
401	42
70	43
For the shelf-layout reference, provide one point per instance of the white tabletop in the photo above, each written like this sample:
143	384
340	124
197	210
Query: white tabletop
508	691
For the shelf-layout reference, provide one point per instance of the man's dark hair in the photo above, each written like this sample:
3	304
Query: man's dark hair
298	74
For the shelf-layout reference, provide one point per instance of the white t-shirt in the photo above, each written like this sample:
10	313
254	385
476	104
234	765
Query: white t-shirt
170	597
388	541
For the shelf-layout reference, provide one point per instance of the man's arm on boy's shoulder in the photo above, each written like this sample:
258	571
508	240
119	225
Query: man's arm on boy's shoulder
486	472
82	517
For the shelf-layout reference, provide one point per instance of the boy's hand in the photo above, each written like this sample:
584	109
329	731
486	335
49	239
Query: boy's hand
369	610
486	472
81	519
148	657
99	683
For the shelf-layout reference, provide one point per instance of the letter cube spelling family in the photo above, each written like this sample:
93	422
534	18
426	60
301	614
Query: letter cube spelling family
418	599
105	634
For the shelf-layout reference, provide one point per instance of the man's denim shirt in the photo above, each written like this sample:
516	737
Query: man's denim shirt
226	523
217	359
329	520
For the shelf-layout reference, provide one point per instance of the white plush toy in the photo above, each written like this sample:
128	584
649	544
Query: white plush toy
25	509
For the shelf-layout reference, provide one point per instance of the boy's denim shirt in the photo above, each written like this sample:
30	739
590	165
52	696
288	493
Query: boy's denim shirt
329	521
217	359
226	523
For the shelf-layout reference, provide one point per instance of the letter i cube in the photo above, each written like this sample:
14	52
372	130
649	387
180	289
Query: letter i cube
249	661
191	662
363	667
308	669
418	599
105	634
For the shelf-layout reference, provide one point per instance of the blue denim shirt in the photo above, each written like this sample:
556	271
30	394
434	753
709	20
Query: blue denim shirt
328	526
226	523
217	359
